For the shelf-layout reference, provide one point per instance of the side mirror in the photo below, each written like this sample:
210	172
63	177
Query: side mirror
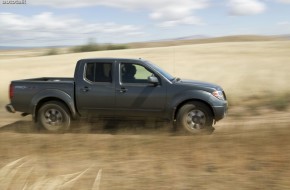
153	80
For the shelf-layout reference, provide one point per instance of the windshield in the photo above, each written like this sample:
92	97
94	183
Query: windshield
161	71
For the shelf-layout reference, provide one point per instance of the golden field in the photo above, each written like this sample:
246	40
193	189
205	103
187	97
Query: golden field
243	68
250	149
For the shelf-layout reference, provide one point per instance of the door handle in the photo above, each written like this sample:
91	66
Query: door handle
122	90
85	89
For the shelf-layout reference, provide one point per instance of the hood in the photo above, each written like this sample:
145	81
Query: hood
199	84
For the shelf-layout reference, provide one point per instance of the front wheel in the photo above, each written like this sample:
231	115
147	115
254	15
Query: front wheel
195	118
54	117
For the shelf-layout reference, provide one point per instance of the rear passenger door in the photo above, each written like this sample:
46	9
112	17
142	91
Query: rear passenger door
96	92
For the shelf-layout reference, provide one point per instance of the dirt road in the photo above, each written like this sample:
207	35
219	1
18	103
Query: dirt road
240	154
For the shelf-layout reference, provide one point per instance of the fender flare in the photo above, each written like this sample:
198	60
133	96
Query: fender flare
190	95
52	94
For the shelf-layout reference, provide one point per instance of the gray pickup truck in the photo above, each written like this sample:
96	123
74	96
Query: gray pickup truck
119	88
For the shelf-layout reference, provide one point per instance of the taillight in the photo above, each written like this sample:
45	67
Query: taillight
11	91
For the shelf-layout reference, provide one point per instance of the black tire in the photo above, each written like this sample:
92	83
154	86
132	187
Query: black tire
195	118
54	117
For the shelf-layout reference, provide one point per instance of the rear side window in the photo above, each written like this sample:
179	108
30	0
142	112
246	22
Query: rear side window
99	72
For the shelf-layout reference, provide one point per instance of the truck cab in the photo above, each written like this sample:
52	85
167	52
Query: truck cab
119	88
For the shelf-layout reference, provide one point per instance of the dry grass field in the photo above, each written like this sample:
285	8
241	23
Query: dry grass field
250	149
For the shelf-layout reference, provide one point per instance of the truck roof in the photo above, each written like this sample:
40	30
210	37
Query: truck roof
110	59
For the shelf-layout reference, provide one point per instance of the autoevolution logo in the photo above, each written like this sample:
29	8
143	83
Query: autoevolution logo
13	2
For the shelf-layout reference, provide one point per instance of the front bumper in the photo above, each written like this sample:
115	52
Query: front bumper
220	111
10	108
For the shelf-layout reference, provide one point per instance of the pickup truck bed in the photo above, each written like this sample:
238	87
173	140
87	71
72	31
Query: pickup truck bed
49	79
29	91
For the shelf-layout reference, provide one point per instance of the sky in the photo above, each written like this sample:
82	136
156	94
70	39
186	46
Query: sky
68	22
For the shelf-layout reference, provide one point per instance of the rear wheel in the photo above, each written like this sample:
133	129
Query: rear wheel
54	117
195	118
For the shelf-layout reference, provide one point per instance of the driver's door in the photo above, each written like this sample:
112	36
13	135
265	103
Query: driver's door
135	96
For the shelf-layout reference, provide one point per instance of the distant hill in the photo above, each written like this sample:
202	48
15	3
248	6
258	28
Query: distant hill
287	36
28	47
187	40
192	37
202	40
11	47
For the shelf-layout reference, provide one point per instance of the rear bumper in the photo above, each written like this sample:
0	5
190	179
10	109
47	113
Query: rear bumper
10	108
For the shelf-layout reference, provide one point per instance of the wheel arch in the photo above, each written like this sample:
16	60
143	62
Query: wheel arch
49	99
176	110
55	95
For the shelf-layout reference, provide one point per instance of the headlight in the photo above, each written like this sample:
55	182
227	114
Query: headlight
218	95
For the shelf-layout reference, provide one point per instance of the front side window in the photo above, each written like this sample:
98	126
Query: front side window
99	72
133	73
